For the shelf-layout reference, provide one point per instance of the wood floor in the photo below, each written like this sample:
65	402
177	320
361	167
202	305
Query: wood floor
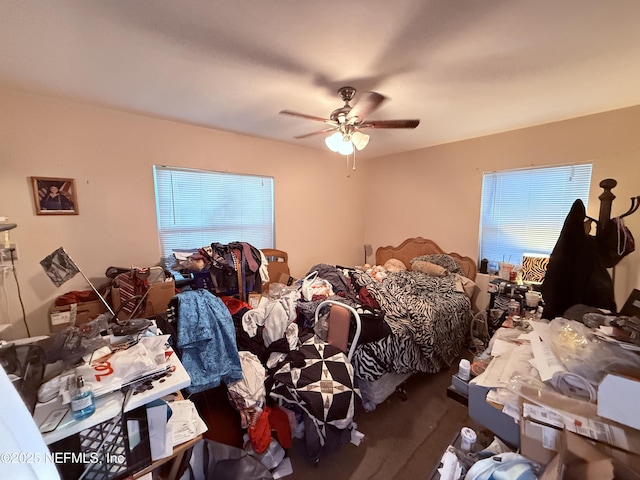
403	439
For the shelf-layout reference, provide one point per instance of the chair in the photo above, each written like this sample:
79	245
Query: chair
278	263
340	324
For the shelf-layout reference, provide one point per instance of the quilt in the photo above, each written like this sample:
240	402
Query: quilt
429	319
320	380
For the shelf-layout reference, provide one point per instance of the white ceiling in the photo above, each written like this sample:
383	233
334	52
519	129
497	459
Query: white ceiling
465	68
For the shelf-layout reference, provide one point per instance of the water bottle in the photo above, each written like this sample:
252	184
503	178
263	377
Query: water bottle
82	402
513	308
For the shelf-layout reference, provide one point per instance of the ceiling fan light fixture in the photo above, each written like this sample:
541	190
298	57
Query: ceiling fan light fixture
345	148
334	141
360	140
348	120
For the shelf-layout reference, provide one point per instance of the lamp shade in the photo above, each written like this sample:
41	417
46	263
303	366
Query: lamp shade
334	141
345	148
360	140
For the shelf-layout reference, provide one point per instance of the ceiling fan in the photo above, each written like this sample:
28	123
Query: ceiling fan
347	121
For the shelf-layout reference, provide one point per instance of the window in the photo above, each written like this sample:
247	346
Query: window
196	208
524	210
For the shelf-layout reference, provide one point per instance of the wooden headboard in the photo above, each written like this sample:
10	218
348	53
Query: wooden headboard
414	247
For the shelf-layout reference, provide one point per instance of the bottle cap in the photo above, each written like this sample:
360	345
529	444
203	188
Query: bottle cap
79	382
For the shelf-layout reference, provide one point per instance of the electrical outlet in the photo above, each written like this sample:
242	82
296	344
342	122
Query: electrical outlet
6	252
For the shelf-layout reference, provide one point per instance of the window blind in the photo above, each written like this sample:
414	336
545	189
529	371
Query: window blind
196	208
524	210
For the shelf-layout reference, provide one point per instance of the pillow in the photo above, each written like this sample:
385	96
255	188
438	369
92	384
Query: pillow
394	265
466	285
442	259
428	267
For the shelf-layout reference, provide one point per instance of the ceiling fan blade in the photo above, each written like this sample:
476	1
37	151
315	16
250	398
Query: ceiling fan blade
303	115
319	132
390	124
368	103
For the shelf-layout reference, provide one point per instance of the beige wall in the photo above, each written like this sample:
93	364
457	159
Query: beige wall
321	214
110	154
435	192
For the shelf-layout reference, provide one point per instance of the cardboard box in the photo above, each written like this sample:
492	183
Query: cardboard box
539	442
75	313
160	294
158	298
285	279
618	400
492	417
579	459
580	417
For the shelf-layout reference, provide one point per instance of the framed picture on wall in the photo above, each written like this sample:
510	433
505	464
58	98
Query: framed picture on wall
54	196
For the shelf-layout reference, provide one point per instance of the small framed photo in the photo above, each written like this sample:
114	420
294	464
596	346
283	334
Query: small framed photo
54	196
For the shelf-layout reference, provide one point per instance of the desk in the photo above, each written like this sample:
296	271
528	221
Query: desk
87	434
108	406
175	458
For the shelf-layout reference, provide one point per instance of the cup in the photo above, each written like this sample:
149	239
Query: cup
468	438
505	270
532	299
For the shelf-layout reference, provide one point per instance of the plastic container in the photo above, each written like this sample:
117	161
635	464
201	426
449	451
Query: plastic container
82	400
467	439
513	308
532	299
464	370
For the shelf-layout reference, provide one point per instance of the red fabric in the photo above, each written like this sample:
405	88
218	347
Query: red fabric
260	433
233	304
279	421
366	299
76	296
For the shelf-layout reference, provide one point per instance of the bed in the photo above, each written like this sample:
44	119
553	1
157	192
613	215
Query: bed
429	318
424	318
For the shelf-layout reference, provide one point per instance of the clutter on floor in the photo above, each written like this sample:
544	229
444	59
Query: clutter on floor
561	394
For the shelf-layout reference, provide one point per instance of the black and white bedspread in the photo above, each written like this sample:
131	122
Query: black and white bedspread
429	320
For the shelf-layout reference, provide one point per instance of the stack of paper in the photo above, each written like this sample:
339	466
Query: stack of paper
185	422
527	356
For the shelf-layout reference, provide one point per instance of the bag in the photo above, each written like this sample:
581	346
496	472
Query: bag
24	364
119	369
615	242
312	286
210	460
505	465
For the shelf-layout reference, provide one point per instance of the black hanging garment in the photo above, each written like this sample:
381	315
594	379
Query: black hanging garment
576	273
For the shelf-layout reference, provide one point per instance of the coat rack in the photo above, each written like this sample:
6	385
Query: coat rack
606	199
602	224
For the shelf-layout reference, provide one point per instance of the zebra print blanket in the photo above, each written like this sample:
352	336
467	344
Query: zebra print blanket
429	321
